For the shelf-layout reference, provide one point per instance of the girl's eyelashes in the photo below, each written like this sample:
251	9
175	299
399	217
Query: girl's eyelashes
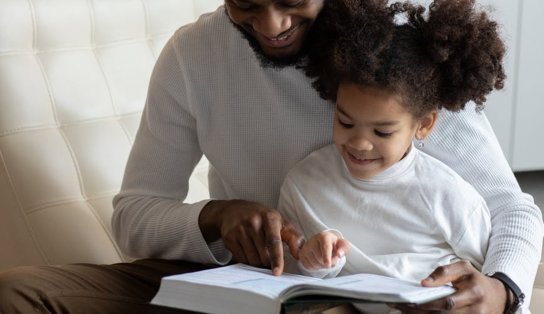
345	125
383	134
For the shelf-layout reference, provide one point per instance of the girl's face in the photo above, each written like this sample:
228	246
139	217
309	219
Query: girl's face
373	130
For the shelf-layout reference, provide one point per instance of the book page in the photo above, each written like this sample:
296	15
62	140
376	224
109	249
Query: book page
376	288
245	289
244	277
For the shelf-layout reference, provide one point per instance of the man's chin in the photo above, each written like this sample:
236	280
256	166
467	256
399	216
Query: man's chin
273	60
278	61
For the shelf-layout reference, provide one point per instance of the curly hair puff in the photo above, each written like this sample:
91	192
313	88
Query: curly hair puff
443	60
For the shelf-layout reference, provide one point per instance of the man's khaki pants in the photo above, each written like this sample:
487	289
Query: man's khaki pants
86	288
124	288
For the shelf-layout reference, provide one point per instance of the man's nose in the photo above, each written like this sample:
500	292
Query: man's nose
271	22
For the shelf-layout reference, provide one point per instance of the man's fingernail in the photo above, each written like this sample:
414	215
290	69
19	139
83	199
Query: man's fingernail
430	279
341	253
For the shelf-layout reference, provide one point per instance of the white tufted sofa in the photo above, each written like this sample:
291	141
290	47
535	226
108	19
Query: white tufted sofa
73	82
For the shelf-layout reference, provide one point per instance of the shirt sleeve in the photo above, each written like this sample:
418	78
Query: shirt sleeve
471	244
465	141
293	208
150	219
323	273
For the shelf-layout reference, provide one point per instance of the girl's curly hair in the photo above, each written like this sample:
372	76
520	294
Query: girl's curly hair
442	60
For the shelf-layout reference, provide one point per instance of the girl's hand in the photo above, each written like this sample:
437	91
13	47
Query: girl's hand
323	250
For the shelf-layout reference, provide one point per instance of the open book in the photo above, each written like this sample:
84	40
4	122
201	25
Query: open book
245	289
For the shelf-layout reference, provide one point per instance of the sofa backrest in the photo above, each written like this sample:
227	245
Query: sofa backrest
73	82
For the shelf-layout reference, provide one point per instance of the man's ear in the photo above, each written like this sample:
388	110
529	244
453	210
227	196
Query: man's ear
426	124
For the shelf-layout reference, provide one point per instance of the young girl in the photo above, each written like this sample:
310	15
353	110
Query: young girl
390	69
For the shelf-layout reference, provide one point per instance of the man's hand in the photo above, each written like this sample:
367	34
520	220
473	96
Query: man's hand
476	293
252	232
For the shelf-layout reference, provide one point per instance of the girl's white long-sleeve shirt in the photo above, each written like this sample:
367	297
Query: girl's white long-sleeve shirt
209	94
404	222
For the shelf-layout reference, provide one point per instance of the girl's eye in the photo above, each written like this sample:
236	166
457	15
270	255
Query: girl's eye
345	125
382	134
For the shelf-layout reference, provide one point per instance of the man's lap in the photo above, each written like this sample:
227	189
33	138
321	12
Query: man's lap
87	288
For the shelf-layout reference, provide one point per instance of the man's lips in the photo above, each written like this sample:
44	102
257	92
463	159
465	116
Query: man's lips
283	40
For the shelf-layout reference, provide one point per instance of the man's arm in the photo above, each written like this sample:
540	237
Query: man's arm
466	143
150	218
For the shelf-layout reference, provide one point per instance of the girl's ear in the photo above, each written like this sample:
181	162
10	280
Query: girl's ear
426	124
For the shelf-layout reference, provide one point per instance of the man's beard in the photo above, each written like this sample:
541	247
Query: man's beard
267	61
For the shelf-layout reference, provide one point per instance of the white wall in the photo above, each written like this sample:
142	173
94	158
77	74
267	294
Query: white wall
527	143
516	112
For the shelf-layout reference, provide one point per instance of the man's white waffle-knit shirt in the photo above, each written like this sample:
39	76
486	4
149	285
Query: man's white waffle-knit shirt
209	95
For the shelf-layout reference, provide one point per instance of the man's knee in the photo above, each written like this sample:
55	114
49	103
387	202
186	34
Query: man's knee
20	291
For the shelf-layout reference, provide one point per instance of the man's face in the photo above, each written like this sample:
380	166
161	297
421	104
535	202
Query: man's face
276	29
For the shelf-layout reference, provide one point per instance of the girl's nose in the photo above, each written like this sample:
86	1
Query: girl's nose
361	143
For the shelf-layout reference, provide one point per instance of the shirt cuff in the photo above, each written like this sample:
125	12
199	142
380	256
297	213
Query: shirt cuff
323	272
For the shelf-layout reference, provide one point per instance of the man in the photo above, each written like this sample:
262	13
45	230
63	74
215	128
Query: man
254	115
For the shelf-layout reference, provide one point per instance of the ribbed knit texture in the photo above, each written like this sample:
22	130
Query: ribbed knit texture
208	94
466	142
